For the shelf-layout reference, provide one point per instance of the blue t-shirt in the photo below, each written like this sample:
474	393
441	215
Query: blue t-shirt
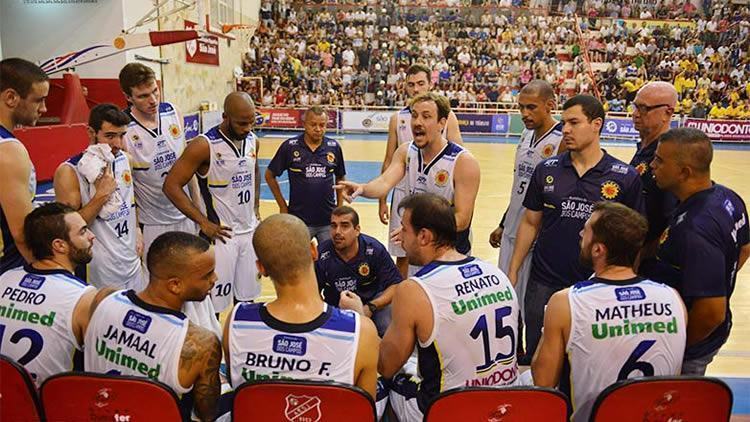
698	254
311	177
659	203
368	274
566	201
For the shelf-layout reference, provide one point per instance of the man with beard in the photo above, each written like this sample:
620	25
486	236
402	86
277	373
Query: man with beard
430	163
225	160
44	308
614	325
399	132
23	90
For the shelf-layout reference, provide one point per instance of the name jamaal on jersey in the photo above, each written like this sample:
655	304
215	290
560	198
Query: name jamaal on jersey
154	153
473	340
36	312
530	152
228	189
621	331
262	347
127	336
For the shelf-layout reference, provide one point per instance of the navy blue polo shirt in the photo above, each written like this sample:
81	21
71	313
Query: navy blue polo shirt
311	177
659	203
566	202
698	254
368	274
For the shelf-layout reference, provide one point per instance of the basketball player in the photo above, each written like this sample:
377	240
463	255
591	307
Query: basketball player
540	140
430	163
445	311
23	90
225	160
613	326
116	260
145	334
325	342
44	308
155	140
418	81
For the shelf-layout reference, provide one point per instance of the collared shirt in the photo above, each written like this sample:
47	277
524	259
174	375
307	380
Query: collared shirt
368	274
311	177
659	203
699	252
566	201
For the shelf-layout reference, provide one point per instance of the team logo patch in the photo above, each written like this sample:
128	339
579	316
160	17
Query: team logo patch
548	150
302	408
664	236
331	157
364	269
174	130
31	281
610	190
136	138
126	177
469	271
289	345
137	321
441	178
251	152
549	179
625	294
641	168
295	154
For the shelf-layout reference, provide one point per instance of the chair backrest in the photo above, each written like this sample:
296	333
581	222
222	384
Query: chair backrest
18	398
665	398
300	400
87	396
499	404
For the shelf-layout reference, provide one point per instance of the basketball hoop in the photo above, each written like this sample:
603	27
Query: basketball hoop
243	31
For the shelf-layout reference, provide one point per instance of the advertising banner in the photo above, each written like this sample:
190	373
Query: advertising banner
622	127
724	130
371	121
281	118
500	123
474	123
192	127
204	50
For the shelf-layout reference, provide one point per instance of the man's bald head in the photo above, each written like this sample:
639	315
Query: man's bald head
659	92
239	115
282	244
539	88
238	102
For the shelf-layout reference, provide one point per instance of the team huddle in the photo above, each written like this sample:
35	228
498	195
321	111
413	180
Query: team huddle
607	270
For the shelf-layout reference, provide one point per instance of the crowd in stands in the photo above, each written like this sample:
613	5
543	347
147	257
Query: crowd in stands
356	54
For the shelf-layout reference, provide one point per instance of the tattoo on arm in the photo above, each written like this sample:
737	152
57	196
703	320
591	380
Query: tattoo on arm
201	355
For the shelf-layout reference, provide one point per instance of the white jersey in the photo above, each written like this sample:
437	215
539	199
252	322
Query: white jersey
228	189
127	336
403	136
529	153
620	331
115	262
154	153
262	347
474	334
36	319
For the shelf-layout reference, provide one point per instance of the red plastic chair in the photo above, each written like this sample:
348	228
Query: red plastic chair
86	396
18	398
499	404
665	398
299	400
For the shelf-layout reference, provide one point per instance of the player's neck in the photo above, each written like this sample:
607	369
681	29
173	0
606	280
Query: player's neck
447	254
6	120
586	158
544	128
148	120
311	143
346	254
647	138
298	302
691	187
432	149
57	263
152	297
613	272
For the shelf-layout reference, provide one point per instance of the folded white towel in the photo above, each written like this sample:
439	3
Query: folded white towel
91	166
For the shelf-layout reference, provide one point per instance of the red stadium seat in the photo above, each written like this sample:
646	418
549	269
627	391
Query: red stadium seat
299	400
695	399
499	404
18	398
87	396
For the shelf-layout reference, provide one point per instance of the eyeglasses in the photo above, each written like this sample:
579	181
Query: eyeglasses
644	109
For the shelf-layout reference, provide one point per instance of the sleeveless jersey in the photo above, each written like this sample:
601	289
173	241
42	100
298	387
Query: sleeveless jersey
228	189
403	136
474	335
115	259
9	255
154	153
127	336
529	153
36	319
620	331
262	347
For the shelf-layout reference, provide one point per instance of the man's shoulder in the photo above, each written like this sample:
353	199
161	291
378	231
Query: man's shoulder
372	245
325	250
331	143
616	166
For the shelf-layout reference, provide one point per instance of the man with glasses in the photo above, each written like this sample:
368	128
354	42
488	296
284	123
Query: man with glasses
652	115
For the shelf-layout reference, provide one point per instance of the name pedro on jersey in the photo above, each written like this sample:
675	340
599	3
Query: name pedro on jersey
625	327
18	314
130	341
480	298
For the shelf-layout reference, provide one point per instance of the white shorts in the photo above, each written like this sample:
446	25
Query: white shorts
203	315
506	253
395	222
152	231
236	270
403	398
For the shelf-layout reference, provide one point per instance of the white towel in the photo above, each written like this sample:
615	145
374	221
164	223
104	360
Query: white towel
91	166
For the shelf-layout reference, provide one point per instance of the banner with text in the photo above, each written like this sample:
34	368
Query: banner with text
371	121
724	130
204	50
286	118
623	127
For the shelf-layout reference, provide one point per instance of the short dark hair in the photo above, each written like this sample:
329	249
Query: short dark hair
107	113
316	110
346	210
591	107
19	75
539	88
622	230
134	74
45	224
418	68
442	103
170	247
434	213
695	147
